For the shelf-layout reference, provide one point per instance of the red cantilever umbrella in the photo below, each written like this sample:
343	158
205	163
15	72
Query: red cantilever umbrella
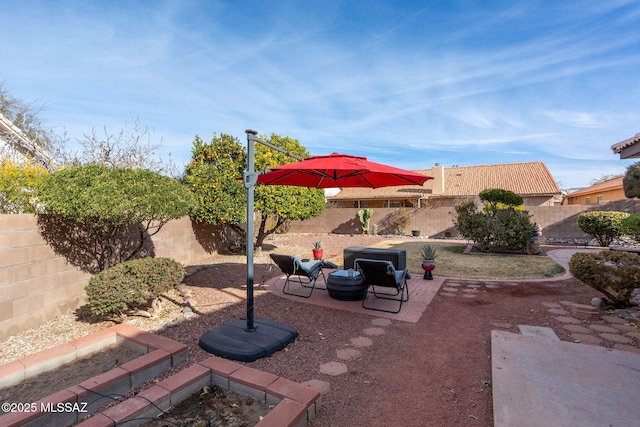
340	170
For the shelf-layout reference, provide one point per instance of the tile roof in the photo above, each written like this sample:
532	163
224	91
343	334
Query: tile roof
525	179
611	184
622	145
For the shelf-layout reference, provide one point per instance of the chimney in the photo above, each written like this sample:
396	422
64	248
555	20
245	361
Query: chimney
438	179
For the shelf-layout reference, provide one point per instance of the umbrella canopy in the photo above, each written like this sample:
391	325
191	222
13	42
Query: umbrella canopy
340	170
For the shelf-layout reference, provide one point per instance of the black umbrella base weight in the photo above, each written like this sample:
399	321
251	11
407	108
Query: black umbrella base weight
232	341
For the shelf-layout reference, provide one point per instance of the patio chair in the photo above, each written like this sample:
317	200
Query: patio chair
382	274
300	271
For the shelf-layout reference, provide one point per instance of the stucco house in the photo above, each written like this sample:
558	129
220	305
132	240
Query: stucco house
597	194
17	147
531	180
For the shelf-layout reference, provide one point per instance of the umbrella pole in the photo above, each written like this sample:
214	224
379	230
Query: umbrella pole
250	179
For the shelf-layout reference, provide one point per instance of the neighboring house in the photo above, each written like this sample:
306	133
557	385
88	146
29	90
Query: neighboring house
596	194
629	148
531	180
17	147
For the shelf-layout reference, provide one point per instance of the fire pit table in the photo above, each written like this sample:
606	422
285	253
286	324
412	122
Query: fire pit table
343	286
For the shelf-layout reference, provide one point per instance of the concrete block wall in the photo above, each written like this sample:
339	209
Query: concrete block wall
557	222
36	284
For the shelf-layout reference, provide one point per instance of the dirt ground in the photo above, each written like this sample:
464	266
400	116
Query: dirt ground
213	407
436	372
35	388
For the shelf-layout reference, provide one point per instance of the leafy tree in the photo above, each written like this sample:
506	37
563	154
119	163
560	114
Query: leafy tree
213	176
17	186
604	226
631	181
108	202
496	198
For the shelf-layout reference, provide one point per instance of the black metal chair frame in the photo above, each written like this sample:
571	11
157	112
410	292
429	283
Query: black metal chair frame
303	272
382	273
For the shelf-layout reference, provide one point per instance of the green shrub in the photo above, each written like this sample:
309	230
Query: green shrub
497	230
604	226
132	284
615	274
496	197
631	226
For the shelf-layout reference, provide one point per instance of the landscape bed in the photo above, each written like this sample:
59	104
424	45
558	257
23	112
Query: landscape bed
80	403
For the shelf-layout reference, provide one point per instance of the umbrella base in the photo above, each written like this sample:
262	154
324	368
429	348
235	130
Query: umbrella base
232	341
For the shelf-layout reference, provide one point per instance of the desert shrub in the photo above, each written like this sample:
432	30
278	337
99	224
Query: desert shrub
132	284
473	225
399	220
615	274
496	230
604	226
511	230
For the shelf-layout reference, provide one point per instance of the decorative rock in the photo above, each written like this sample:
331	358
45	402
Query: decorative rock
188	314
596	302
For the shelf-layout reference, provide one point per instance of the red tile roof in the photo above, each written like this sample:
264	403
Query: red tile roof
525	179
612	184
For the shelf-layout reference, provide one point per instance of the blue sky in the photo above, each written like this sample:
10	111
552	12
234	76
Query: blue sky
407	83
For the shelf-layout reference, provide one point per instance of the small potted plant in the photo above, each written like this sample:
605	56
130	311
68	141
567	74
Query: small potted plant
428	260
317	249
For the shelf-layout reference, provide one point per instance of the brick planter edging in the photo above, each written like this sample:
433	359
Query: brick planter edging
159	353
296	404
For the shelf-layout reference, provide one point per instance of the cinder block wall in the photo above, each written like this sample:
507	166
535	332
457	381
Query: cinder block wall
557	222
36	284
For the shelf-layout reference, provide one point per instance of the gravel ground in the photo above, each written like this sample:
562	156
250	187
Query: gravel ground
436	372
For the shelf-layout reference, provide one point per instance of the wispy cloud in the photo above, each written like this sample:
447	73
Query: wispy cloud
470	84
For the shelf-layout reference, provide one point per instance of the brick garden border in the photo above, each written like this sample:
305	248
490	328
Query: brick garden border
295	404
